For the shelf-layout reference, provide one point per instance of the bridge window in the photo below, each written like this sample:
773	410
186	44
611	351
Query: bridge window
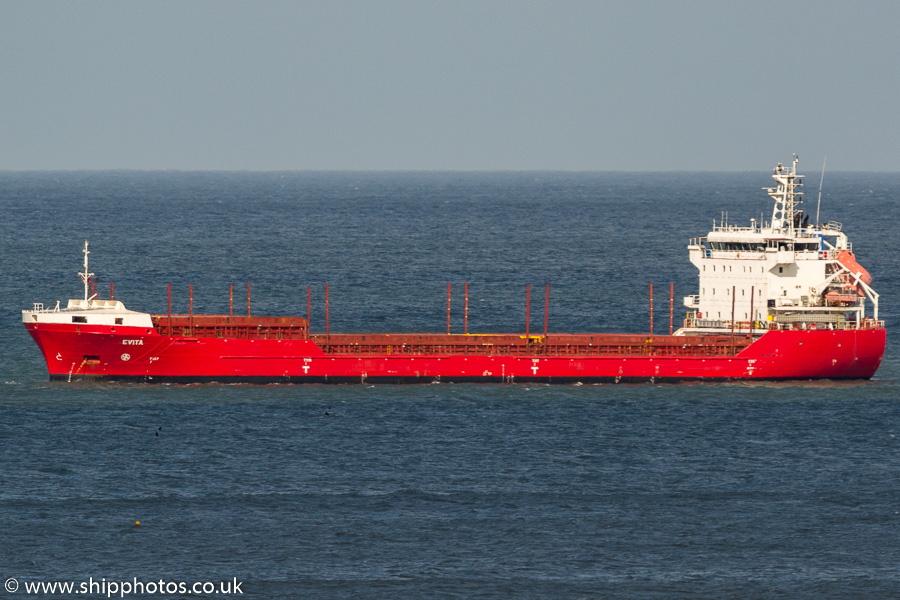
738	246
79	319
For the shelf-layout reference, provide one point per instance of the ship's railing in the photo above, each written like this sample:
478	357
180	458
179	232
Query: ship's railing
39	308
832	254
94	304
566	345
796	322
727	228
742	327
231	327
701	243
872	324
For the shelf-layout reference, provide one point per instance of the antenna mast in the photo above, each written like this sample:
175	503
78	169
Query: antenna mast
86	276
819	203
787	196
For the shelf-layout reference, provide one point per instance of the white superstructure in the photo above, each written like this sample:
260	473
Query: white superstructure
785	273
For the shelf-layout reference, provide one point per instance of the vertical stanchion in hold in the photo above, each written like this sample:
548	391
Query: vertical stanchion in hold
230	299
169	312
191	307
671	307
248	298
466	315
527	310
308	304
448	308
327	324
651	309
112	296
546	309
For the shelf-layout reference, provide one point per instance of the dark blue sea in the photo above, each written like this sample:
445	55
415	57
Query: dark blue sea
729	490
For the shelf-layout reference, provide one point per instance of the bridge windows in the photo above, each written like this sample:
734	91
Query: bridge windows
738	246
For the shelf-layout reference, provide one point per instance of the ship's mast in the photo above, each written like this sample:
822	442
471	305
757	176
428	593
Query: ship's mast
821	180
787	196
86	275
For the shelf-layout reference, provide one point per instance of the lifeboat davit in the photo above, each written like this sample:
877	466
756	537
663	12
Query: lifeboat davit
848	260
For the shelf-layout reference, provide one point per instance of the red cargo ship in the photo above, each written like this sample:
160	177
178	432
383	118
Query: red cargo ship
777	300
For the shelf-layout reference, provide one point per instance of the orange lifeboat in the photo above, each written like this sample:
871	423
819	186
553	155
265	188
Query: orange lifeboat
848	260
839	299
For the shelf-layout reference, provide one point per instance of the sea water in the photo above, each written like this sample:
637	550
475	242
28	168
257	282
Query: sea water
727	490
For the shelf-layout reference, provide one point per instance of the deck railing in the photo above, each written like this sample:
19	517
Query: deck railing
553	345
232	327
797	323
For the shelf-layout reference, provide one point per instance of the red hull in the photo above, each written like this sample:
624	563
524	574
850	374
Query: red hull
139	354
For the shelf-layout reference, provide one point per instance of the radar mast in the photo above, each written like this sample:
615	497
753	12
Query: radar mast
787	197
86	275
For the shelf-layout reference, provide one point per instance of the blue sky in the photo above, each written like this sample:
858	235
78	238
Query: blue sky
485	85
